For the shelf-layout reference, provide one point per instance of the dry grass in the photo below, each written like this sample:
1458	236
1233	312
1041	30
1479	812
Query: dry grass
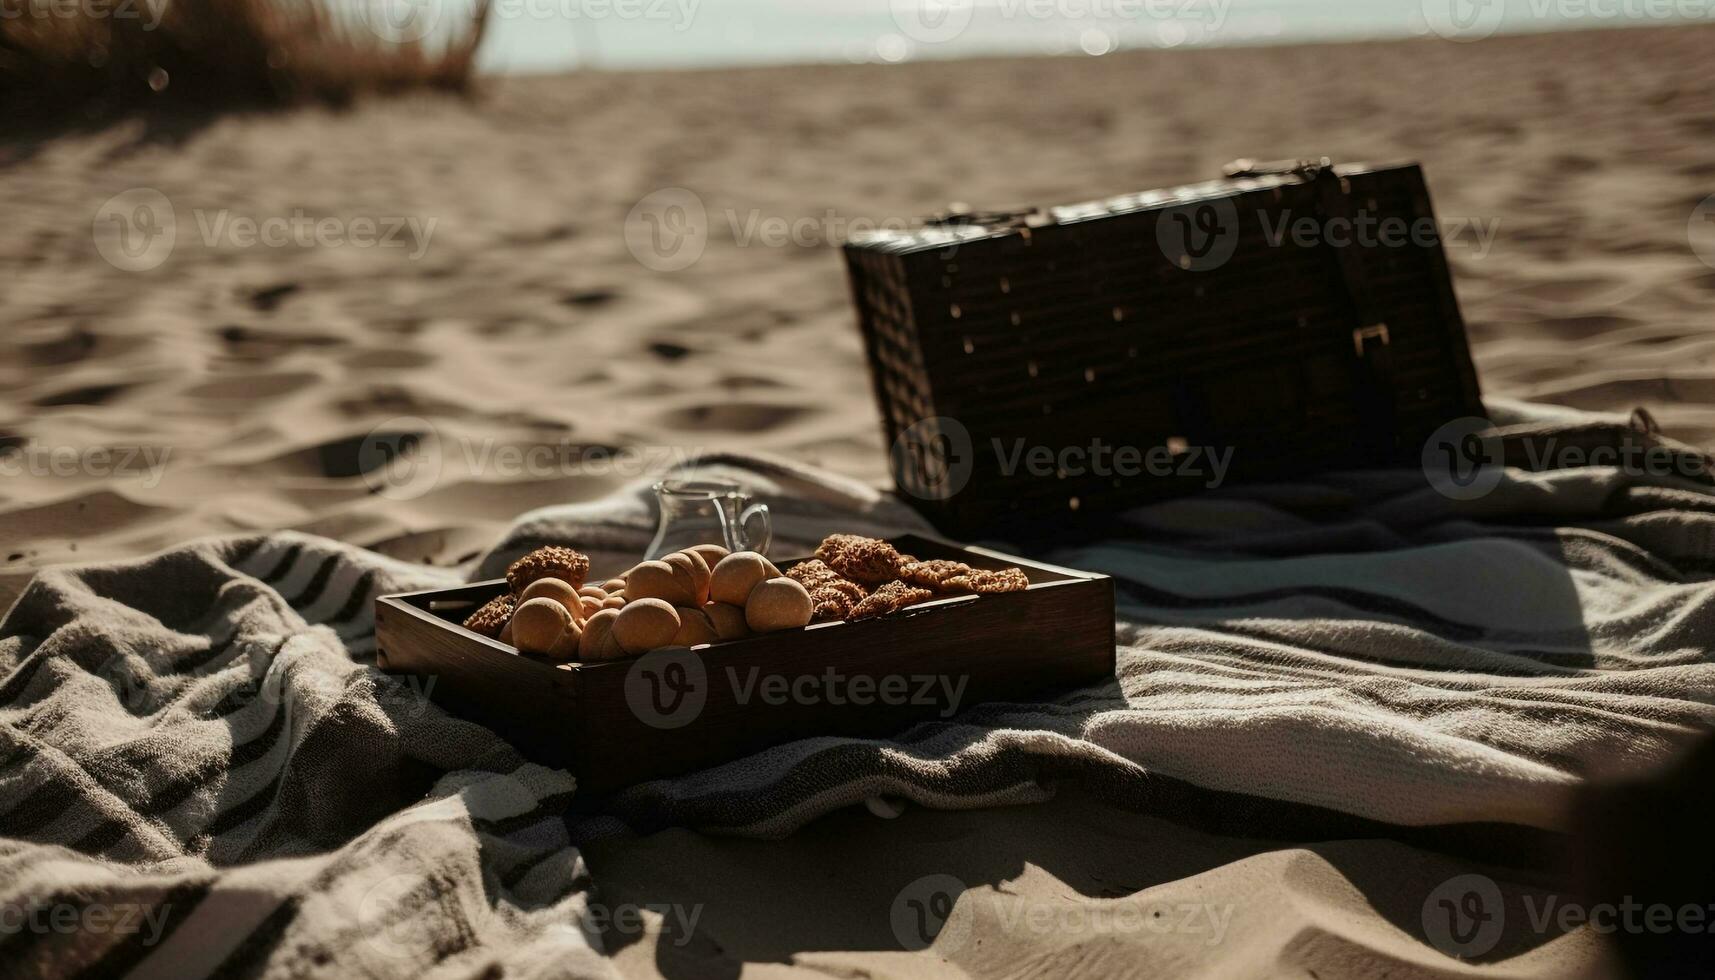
90	57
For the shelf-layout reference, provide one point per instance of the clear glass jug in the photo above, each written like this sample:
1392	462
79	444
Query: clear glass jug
708	512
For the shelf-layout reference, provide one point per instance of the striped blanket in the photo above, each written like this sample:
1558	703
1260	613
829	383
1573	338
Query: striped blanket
200	772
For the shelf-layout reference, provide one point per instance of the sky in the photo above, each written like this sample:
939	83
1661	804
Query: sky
561	35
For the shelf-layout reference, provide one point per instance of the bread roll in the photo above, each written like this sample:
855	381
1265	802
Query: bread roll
645	624
694	628
558	590
593	592
566	647
538	623
692	572
727	620
657	580
613	585
778	604
711	554
738	573
597	643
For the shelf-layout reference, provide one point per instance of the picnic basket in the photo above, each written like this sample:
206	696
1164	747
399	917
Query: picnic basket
1006	348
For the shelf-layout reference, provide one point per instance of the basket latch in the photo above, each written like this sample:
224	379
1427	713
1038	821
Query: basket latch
1002	218
1375	331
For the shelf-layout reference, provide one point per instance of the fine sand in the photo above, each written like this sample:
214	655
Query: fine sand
522	319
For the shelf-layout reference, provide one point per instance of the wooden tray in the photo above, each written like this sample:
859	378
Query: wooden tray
674	711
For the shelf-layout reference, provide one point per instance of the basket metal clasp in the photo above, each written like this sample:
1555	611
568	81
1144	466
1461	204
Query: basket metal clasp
1375	331
1001	218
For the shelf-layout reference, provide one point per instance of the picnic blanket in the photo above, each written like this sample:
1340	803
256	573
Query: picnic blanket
201	771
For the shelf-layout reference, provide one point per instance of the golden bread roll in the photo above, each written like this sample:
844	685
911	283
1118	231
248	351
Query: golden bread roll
778	604
694	628
711	554
657	580
558	590
738	573
538	623
692	572
645	624
566	647
613	602
591	605
593	592
727	620
597	643
613	585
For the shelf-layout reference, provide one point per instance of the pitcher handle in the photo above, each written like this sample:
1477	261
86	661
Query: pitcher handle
759	541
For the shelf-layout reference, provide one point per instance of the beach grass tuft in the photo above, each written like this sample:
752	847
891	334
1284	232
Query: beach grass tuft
94	56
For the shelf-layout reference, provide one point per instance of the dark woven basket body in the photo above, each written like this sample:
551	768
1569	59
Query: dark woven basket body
1095	325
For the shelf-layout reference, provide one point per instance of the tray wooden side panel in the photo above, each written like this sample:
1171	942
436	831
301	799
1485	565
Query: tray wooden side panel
941	657
529	703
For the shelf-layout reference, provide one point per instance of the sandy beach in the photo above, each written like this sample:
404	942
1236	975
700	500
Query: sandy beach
228	388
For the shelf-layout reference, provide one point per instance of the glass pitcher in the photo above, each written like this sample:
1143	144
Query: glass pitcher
708	512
